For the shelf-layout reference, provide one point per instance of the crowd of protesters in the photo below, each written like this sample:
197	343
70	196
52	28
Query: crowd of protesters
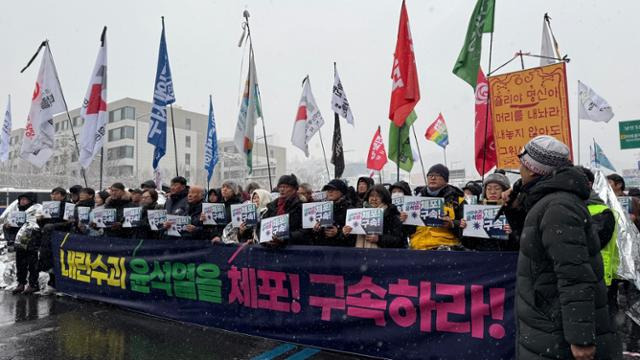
566	296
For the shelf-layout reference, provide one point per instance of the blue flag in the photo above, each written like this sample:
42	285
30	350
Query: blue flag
211	146
600	159
162	96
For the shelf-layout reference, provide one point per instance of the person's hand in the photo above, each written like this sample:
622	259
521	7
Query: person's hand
116	226
632	217
203	217
346	230
403	216
448	222
243	227
372	238
216	240
331	231
93	225
583	352
167	225
317	227
505	195
463	224
275	243
507	228
190	228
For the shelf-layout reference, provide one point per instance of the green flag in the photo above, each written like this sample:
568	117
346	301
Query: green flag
468	62
406	156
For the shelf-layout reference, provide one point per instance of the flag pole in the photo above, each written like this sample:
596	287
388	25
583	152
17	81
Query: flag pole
66	109
326	164
424	174
398	152
578	118
445	155
101	166
264	130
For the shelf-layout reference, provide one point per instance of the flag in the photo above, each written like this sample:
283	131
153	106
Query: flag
6	132
401	135
377	156
250	111
339	102
94	108
546	48
162	96
405	91
337	154
468	62
484	128
437	132
600	159
592	106
211	146
46	101
308	119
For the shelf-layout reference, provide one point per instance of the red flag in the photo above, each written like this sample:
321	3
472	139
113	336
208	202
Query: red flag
405	91
482	97
377	155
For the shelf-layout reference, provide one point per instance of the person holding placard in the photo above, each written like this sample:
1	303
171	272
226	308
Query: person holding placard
85	200
118	200
392	236
399	189
618	186
26	256
47	226
261	198
195	229
288	203
333	235
148	201
445	237
229	196
362	187
177	200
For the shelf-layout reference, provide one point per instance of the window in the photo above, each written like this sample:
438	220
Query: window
187	124
77	121
187	159
120	152
187	141
187	174
123	132
57	126
126	112
126	170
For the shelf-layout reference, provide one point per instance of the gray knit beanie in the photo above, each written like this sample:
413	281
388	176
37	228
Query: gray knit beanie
497	178
543	154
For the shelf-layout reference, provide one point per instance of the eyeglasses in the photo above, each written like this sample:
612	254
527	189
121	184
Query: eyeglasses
434	176
523	153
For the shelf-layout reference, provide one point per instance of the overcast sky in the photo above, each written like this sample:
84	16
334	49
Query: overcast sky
296	38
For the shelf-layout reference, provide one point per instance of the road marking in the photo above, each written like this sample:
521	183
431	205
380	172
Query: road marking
274	353
304	354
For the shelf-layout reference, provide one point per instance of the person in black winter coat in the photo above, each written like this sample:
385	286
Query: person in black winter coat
561	298
85	199
177	201
402	188
118	200
229	195
392	235
148	201
362	186
47	227
195	229
333	236
288	203
26	257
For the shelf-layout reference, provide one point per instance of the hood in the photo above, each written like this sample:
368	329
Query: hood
264	196
366	179
567	179
403	186
29	195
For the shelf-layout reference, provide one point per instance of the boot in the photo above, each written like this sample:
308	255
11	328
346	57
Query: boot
18	289
30	289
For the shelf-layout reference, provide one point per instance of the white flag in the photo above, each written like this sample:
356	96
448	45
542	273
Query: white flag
94	108
308	119
6	133
547	45
250	112
38	141
592	106
339	102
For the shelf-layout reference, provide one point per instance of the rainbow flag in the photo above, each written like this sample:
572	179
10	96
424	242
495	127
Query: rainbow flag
437	132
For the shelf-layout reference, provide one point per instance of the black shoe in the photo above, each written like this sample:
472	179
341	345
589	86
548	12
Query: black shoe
18	289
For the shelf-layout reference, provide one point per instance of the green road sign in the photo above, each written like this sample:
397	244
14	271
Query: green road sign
629	134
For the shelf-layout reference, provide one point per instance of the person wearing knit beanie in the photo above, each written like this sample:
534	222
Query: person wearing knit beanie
494	185
542	155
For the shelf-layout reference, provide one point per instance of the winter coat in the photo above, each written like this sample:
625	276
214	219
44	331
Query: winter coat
293	207
84	229
407	230
561	298
144	230
195	210
119	205
392	234
177	203
482	244
430	237
11	232
340	208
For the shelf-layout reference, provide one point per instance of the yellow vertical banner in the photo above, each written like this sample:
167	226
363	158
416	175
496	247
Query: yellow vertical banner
525	104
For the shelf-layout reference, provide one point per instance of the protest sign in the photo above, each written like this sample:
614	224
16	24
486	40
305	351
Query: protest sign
68	211
156	218
104	217
16	218
214	214
178	224
423	211
83	214
482	223
397	199
51	209
626	203
277	226
314	212
365	221
131	217
243	213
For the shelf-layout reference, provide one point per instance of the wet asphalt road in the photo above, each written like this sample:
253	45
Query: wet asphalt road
37	327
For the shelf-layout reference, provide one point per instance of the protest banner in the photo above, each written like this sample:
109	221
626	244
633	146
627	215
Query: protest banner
68	211
131	217
243	213
214	214
397	199
83	214
51	209
482	223
365	221
178	224
423	211
156	219
526	104
16	218
104	217
327	297
317	212
277	226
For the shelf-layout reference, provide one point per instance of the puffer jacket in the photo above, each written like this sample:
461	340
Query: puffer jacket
177	203
561	298
430	237
340	208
